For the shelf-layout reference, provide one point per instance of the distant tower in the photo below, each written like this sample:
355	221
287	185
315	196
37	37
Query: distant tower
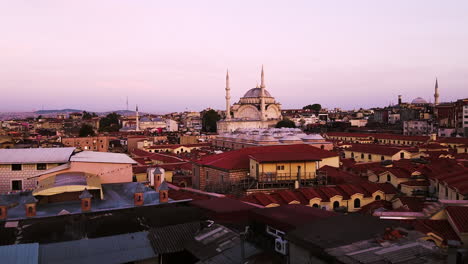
436	93
127	103
137	120
228	97
262	97
399	99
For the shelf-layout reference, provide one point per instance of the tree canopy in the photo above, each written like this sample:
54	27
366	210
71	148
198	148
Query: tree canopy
86	131
110	123
285	123
209	120
88	115
313	107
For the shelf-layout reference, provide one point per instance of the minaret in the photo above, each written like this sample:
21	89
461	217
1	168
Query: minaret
436	93
137	120
262	97
228	97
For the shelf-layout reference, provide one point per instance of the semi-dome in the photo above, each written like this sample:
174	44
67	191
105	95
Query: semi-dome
256	92
419	100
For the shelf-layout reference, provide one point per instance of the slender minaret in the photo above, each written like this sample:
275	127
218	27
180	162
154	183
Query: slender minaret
436	93
262	97
137	120
228	97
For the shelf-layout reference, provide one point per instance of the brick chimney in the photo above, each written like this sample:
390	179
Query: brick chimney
3	208
30	206
163	192
138	197
157	176
85	197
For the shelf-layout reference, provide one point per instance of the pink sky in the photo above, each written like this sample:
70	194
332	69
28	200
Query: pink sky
172	55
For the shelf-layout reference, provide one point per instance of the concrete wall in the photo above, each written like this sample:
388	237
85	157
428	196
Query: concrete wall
7	175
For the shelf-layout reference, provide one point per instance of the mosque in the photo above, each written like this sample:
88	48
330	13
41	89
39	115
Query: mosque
256	109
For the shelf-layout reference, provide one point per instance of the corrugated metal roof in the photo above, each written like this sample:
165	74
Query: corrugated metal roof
111	249
35	155
20	253
170	239
102	157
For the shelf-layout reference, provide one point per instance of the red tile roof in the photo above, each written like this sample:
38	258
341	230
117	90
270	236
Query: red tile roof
416	183
399	172
371	207
442	228
338	176
453	140
414	204
374	149
239	159
459	217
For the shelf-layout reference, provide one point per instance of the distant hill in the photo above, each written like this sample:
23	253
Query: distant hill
63	111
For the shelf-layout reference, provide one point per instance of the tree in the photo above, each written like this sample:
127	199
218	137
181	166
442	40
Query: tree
87	115
209	120
314	107
86	131
110	123
285	123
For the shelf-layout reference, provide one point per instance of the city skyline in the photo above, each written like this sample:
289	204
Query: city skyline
170	57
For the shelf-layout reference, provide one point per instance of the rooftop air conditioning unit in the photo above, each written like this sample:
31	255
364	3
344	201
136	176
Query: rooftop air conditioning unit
281	246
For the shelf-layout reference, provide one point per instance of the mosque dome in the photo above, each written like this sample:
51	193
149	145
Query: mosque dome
419	100
256	92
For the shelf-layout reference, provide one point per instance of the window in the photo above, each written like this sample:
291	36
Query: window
16	167
86	203
402	155
280	167
336	204
362	155
377	197
17	185
389	178
352	154
369	156
30	209
322	147
315	205
41	166
357	203
382	158
207	176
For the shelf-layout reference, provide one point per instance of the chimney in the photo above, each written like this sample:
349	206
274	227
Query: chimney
163	192
85	197
3	208
138	197
30	206
157	176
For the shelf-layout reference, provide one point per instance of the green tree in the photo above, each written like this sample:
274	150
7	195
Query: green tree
87	115
314	107
285	123
86	131
209	120
110	123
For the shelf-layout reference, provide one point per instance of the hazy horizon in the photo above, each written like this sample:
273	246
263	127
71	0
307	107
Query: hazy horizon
172	56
